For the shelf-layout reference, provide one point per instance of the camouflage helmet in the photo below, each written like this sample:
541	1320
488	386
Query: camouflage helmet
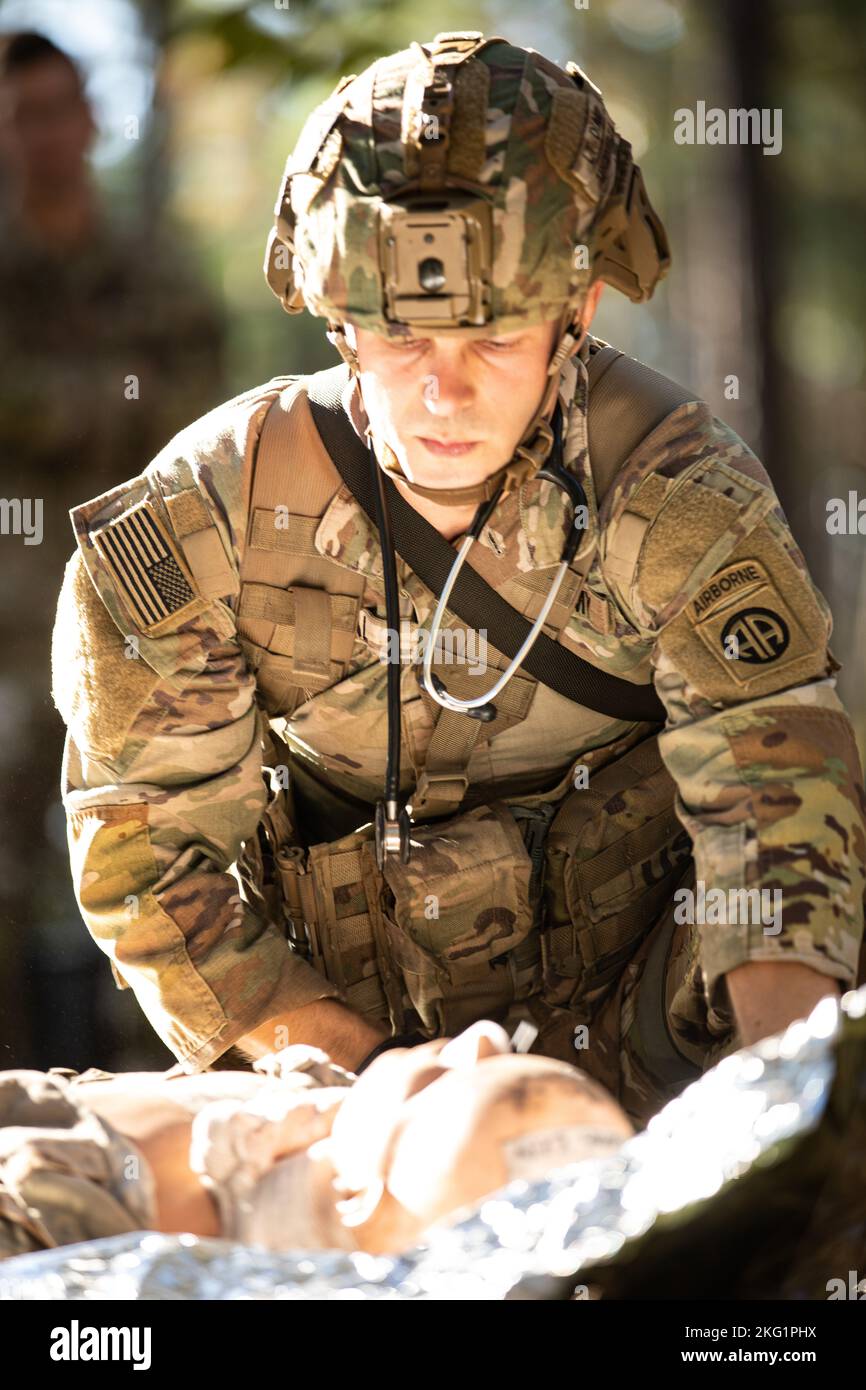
465	186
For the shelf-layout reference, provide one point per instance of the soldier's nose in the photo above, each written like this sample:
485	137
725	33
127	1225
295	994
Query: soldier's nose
447	390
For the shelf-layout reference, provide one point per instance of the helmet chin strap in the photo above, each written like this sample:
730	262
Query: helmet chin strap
530	454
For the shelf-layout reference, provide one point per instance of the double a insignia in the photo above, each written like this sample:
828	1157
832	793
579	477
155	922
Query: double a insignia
757	635
745	620
147	569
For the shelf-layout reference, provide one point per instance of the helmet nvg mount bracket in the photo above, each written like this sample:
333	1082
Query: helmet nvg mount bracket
435	260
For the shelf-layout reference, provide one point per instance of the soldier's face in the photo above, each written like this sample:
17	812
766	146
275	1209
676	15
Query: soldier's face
453	410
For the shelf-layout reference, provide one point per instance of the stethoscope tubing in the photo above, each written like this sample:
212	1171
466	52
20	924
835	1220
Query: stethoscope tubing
441	695
392	821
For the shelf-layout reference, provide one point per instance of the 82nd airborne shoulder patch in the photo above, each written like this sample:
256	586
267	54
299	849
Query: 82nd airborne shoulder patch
148	572
744	620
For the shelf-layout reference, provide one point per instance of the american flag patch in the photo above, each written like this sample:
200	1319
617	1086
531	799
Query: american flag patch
147	569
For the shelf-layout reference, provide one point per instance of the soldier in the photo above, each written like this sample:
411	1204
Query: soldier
241	659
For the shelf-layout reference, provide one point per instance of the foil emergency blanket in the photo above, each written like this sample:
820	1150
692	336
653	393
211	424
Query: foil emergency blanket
749	1183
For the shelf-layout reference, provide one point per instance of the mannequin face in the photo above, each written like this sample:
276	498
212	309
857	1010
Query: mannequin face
474	398
425	1133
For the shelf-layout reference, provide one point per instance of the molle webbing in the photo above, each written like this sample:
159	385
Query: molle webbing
621	847
297	612
444	113
200	541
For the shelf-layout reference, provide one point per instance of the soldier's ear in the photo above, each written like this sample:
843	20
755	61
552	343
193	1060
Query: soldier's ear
582	321
589	308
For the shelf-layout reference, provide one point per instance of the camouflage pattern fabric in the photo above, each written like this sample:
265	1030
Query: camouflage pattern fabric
514	115
163	780
659	991
769	781
66	1174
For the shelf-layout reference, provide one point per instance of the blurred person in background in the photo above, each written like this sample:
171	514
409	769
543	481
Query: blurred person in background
109	343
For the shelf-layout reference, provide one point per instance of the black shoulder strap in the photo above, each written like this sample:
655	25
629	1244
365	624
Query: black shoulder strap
627	399
424	548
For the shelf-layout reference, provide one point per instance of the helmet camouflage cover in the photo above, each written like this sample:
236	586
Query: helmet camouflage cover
463	186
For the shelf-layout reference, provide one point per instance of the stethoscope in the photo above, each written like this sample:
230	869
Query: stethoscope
392	822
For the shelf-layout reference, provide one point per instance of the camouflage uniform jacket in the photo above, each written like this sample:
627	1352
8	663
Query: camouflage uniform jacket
162	777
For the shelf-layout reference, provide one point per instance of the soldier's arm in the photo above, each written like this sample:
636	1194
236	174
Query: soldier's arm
768	995
327	1023
769	782
162	773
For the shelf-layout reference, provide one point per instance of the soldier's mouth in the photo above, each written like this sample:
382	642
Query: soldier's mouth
435	446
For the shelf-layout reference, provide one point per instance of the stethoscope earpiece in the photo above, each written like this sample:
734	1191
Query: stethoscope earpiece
487	713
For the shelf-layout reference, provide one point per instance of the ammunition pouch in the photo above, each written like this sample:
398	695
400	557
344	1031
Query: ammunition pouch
460	923
432	945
